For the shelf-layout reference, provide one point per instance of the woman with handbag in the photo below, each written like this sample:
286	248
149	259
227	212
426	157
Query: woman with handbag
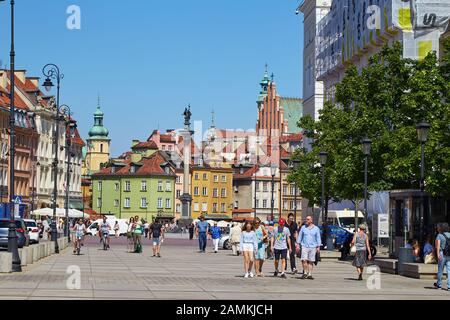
361	244
262	236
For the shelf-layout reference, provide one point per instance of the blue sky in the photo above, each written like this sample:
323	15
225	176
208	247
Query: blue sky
148	59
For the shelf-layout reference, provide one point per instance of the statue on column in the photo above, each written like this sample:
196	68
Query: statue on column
187	116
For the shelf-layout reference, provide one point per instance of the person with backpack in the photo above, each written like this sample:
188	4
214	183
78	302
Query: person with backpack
442	245
280	245
157	234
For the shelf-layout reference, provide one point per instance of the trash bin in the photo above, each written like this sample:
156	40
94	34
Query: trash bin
405	255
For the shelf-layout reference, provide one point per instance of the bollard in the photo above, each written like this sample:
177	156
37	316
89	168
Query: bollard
35	252
5	262
29	255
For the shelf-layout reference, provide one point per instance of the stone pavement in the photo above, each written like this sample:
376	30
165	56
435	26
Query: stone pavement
182	273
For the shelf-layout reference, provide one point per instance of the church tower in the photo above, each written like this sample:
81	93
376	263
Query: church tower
98	144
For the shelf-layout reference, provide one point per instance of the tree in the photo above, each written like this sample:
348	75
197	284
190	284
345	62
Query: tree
384	102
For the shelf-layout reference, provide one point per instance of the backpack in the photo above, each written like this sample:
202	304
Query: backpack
446	250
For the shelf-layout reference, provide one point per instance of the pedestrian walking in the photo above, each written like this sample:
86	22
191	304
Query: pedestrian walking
293	229
442	245
130	237
116	229
201	231
269	246
137	235
156	232
361	242
281	243
248	247
215	235
191	231
235	238
262	236
146	230
310	242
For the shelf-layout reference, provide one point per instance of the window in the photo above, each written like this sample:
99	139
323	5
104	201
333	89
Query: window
196	207
285	189
195	191
216	178
205	191
285	205
292	190
133	169
257	185
164	148
168	186
160	186
205	176
116	203
265	189
257	203
127	186
178	209
170	148
168	204
99	202
100	185
291	205
167	170
127	203
264	203
224	178
178	193
215	192
223	193
222	208
178	179
196	177
215	207
160	203
116	186
143	202
101	148
143	185
204	207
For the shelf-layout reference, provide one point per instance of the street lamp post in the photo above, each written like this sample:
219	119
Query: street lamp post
366	146
12	235
273	171
323	161
51	71
422	134
294	166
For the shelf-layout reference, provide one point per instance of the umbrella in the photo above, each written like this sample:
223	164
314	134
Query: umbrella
222	224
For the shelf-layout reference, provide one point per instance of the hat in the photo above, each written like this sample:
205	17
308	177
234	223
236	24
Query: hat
282	222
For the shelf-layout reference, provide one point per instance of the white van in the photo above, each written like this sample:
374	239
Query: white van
345	219
93	228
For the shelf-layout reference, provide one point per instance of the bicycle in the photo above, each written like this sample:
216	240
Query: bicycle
79	238
105	242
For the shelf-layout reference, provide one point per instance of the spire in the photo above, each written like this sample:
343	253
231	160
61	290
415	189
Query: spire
213	124
271	77
98	100
265	81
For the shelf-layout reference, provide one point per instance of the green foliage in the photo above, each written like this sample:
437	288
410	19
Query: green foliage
384	102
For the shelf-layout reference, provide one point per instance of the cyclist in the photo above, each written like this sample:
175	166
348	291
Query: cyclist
80	230
104	230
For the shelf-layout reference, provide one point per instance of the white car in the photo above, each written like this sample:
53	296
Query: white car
224	242
33	230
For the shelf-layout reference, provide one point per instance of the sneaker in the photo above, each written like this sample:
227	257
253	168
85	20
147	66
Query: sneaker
275	274
436	286
283	275
246	275
304	276
251	275
215	251
294	271
154	255
159	256
360	278
310	277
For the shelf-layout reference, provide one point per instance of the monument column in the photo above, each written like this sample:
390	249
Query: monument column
186	198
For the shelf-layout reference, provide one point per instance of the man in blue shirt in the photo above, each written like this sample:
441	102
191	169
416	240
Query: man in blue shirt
215	235
443	256
201	231
309	239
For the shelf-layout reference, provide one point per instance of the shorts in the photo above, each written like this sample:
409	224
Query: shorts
309	254
156	241
248	247
282	253
261	253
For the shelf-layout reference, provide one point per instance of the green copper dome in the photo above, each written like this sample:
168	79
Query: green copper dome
98	131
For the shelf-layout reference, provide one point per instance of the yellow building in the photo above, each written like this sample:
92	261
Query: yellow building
212	192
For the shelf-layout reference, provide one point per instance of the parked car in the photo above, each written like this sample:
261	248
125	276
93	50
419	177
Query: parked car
23	238
224	242
33	230
93	228
339	234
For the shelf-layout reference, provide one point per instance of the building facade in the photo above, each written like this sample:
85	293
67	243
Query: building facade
212	191
145	187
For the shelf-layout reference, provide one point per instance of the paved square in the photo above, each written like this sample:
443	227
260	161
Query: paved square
182	273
